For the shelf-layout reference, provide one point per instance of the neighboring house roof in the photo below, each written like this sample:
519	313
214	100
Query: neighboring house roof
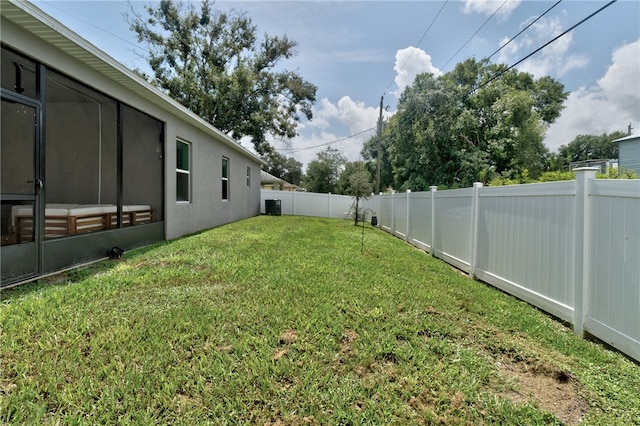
626	138
289	186
35	21
269	178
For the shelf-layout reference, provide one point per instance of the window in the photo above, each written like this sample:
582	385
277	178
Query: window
248	177
225	178
183	171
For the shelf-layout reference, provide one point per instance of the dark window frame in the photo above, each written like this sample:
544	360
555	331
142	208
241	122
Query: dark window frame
182	171
225	179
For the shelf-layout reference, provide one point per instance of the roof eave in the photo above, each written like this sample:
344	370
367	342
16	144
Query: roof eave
47	28
626	138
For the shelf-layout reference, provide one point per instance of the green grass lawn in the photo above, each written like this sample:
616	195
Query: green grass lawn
287	320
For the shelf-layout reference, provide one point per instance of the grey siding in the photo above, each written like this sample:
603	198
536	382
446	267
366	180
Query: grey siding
629	154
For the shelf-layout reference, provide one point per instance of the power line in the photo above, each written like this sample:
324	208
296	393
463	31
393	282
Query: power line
542	47
293	150
474	34
137	46
417	44
524	29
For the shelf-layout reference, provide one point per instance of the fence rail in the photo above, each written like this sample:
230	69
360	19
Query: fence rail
570	248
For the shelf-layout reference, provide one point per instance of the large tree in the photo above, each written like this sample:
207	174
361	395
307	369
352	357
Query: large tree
323	173
214	63
418	135
370	155
467	124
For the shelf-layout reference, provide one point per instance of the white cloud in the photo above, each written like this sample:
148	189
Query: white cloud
360	119
323	115
622	80
317	135
610	105
356	115
410	62
488	7
554	59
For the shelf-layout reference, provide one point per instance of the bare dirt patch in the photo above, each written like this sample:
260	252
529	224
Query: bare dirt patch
346	340
551	388
288	336
279	354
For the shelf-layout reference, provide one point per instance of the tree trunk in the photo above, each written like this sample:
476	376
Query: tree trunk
357	210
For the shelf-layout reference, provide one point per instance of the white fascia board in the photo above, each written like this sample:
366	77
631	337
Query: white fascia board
626	138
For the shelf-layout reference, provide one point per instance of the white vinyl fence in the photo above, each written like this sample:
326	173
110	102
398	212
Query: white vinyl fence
311	204
570	248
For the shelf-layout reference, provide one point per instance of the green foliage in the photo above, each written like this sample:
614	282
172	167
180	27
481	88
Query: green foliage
280	166
554	176
355	181
370	155
451	130
617	173
587	147
418	150
323	173
209	329
214	64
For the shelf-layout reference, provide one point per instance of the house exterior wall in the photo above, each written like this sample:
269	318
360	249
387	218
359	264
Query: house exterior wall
206	208
96	70
629	154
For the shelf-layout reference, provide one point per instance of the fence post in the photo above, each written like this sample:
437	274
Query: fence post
379	210
475	213
433	189
582	244
406	233
393	216
293	203
329	205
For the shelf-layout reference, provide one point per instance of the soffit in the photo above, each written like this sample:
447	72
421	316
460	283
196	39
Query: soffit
45	27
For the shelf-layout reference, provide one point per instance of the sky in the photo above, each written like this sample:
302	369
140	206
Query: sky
357	52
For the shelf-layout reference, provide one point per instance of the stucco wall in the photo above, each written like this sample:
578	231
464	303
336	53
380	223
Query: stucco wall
206	209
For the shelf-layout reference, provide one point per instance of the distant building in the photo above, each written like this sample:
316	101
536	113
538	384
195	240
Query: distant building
269	181
629	153
603	164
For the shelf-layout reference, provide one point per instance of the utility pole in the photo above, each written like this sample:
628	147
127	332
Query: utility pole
379	154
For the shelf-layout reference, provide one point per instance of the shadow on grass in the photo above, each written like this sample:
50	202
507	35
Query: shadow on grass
78	273
57	279
73	275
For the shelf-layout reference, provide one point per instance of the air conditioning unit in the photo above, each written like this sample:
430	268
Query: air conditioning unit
272	207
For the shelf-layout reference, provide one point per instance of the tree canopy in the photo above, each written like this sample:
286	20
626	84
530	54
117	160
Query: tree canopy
324	172
214	63
466	125
355	180
587	147
370	155
283	167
